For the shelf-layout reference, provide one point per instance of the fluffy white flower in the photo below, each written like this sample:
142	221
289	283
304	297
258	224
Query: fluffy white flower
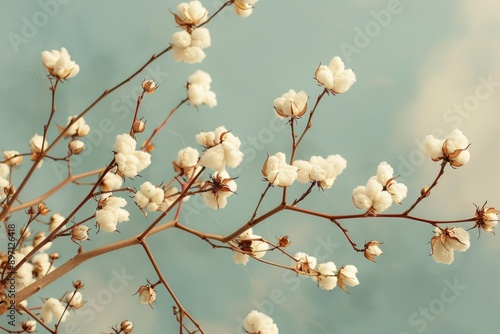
24	275
36	144
111	181
453	149
446	241
199	89
74	298
291	104
218	189
29	326
79	128
111	213
321	170
76	146
170	196
129	161
259	323
4	173
347	276
188	47
200	37
372	197
372	250
186	162
59	64
190	14
53	308
222	149
43	266
278	172
13	158
304	263
124	144
385	177
55	221
149	196
326	278
252	244
244	8
335	77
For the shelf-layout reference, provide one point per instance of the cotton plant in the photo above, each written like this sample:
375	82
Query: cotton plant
198	88
380	192
205	173
250	245
319	170
221	149
189	42
129	160
111	212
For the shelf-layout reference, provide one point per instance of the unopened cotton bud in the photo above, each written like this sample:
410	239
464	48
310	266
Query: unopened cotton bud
42	209
149	86
425	192
79	232
78	284
283	241
139	126
126	326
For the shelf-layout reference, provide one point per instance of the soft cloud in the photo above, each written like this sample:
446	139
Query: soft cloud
459	87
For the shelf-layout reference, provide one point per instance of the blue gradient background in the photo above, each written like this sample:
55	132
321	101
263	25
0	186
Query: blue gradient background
428	58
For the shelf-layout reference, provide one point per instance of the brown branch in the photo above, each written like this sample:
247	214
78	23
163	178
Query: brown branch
346	233
79	259
66	181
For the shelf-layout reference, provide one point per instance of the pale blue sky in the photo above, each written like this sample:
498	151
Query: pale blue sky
421	67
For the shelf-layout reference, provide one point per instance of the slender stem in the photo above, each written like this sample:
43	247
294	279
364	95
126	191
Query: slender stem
228	3
305	194
167	286
346	233
260	201
53	88
428	191
67	180
136	113
308	126
31	314
180	198
162	125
